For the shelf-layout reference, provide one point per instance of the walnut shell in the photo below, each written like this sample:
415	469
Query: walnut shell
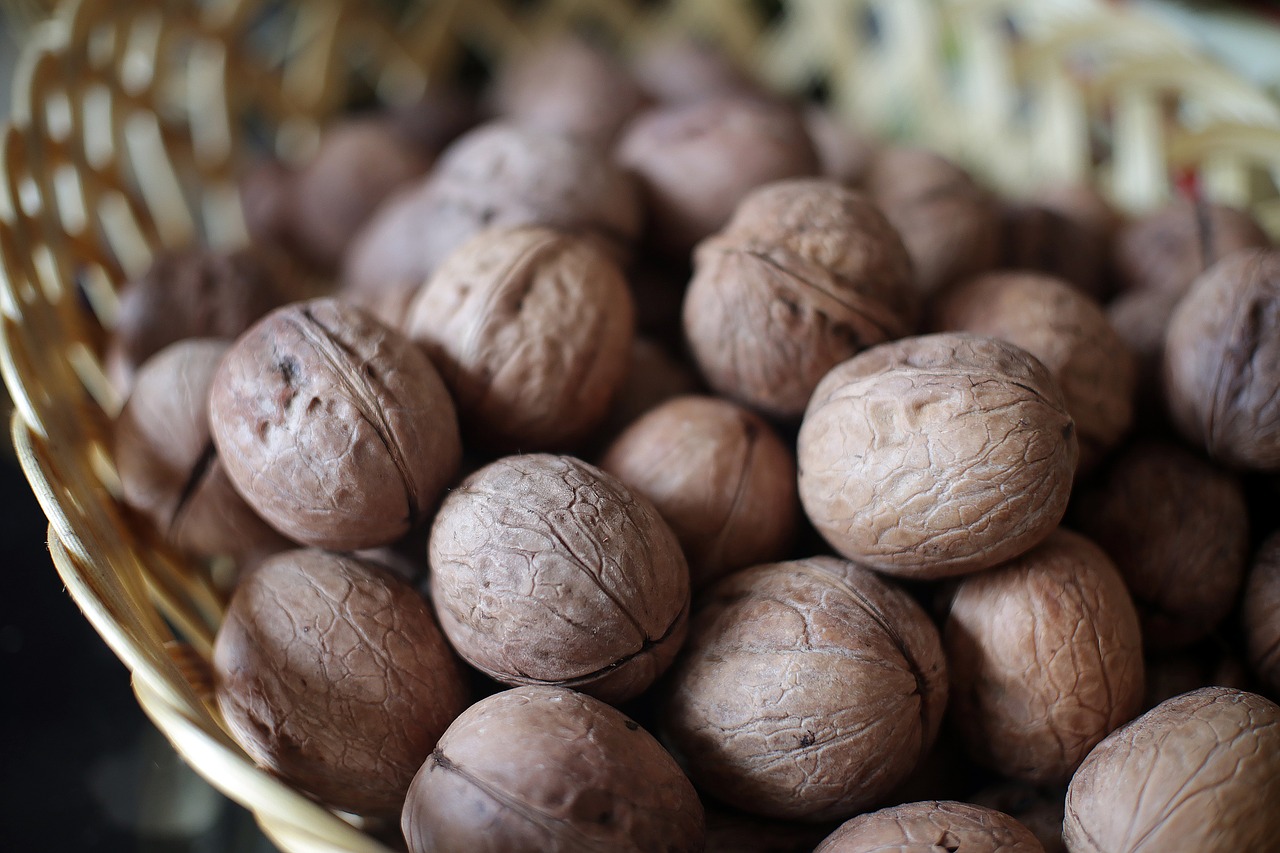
1261	614
1222	361
333	675
1046	659
929	826
544	768
1064	231
681	70
844	154
1177	528
336	429
1069	334
546	570
531	330
696	161
936	455
805	275
1141	319
169	470
808	690
1200	772
720	477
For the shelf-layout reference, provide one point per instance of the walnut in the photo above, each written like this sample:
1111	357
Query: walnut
1141	319
1064	231
808	690
1068	333
1178	531
932	825
936	455
844	154
1261	614
1222	361
546	570
531	330
544	768
1199	772
805	275
653	377
1046	659
676	70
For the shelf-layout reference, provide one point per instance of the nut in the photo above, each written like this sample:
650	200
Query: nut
546	570
332	674
1261	614
336	429
1064	231
531	330
1141	319
677	70
844	154
936	455
1198	772
933	825
808	691
544	768
653	377
1046	659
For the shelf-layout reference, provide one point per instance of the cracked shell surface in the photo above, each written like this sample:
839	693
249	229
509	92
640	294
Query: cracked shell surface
805	275
602	782
1222	361
1261	614
932	827
1200	772
335	428
1045	656
546	570
531	330
808	690
332	673
936	455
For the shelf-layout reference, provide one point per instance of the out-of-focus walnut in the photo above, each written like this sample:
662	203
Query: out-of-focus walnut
442	114
544	768
531	330
936	455
1046	659
684	70
1199	772
929	826
1064	231
1068	333
546	570
1038	809
805	275
1262	614
844	154
1222	360
951	226
653	377
1141	319
1177	528
719	475
808	691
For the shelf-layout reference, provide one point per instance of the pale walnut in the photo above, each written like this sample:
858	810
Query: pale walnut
932	826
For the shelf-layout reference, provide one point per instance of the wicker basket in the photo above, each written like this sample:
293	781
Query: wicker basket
131	121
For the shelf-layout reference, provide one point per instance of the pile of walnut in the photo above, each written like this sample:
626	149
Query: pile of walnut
640	388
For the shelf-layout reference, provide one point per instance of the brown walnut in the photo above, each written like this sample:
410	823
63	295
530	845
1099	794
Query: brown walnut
1141	319
653	377
844	154
932	826
1064	231
1261	614
681	70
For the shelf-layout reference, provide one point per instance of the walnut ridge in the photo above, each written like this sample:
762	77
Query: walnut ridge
929	826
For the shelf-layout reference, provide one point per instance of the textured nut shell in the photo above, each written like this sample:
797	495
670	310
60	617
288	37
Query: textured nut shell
930	827
1200	772
1068	333
1064	231
333	675
165	457
805	275
531	330
1046	659
950	225
720	477
936	455
1178	530
545	569
336	429
808	689
1261	614
1222	361
844	154
696	161
547	769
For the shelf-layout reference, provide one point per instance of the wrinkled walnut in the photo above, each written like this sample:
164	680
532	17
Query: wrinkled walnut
936	455
1222	360
544	768
719	475
929	826
1261	615
1177	528
1200	772
531	330
805	275
1046	659
808	690
1064	231
333	675
546	570
336	429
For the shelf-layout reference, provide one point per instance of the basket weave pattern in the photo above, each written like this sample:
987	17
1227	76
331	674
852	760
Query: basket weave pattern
132	120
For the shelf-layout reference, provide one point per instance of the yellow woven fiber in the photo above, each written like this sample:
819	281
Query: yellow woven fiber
130	126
